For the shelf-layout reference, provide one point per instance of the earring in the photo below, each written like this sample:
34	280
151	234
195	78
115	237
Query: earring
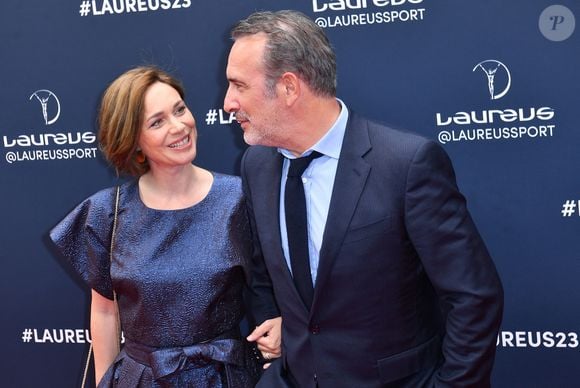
140	157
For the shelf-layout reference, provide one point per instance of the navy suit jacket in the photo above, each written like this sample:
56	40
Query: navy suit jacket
406	292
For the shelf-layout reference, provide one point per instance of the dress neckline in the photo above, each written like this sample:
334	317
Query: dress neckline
201	203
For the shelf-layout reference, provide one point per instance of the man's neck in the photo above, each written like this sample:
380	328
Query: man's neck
314	118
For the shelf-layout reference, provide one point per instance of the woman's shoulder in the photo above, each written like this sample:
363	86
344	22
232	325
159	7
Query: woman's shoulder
105	198
227	181
226	188
103	195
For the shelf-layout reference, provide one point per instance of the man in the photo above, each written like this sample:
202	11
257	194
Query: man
404	290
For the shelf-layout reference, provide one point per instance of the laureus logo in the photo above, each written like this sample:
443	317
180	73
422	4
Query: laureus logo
497	74
49	103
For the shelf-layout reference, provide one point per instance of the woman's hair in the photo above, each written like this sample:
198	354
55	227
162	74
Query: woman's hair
121	117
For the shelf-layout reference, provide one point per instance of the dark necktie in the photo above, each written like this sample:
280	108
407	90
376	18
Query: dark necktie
296	226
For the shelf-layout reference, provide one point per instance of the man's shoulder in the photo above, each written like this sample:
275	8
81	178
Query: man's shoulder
258	153
383	133
257	159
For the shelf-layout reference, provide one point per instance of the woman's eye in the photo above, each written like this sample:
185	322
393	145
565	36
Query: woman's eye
156	124
181	110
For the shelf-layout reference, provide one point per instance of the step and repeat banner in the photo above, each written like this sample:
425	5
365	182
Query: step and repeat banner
495	82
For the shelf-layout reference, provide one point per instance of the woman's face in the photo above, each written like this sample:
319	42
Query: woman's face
168	134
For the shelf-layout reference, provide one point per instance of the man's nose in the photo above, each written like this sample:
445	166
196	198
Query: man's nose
230	103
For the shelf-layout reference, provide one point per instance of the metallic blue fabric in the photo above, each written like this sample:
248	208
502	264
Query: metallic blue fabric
167	361
178	275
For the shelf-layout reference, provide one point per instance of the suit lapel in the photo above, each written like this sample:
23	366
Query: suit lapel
351	176
266	200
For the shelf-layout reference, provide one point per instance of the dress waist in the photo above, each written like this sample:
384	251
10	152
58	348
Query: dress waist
227	348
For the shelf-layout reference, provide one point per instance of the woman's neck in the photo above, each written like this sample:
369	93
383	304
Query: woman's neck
175	189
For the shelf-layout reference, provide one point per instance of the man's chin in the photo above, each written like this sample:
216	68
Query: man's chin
258	138
250	139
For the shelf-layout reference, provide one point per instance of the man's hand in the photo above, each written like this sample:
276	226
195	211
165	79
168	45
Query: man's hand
268	337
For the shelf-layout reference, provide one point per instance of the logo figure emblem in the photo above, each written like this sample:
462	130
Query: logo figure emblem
44	96
490	67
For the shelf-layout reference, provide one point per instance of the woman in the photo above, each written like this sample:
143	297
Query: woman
180	248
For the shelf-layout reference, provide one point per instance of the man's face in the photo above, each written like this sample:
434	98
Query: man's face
257	110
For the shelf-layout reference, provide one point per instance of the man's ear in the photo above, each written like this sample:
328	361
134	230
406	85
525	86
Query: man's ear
290	87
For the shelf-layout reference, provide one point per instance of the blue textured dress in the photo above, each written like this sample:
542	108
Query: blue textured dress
179	276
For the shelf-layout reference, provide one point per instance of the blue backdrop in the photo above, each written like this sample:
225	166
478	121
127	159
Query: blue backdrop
495	82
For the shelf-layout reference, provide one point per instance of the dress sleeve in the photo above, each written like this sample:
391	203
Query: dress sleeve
83	237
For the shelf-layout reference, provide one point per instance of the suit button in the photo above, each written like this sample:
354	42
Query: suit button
314	329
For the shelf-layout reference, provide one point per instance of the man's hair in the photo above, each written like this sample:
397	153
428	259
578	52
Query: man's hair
294	44
121	116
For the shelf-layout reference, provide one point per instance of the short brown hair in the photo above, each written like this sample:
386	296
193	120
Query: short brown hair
294	43
121	116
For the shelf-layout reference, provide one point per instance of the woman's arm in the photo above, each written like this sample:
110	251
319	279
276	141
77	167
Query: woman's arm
104	333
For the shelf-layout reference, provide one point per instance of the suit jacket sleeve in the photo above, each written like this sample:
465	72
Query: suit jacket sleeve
458	265
262	302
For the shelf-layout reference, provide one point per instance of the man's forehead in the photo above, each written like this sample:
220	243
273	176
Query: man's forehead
255	42
246	52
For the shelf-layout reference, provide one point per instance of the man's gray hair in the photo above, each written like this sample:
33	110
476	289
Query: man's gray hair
294	44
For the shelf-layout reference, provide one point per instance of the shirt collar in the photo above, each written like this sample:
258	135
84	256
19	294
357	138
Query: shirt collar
331	143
